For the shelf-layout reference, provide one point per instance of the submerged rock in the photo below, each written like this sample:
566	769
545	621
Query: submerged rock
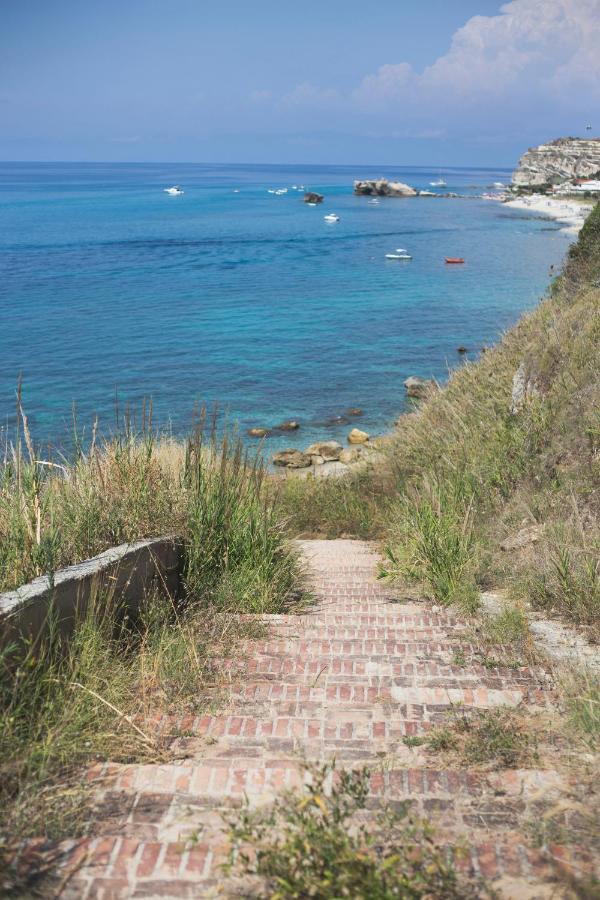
418	388
357	436
292	425
354	411
292	459
329	450
258	432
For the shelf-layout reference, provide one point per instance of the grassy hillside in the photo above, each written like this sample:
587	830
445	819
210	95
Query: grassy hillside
474	469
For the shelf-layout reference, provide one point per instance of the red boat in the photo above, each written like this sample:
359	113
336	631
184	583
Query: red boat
454	259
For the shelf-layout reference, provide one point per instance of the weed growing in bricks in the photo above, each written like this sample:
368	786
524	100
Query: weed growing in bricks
495	736
322	843
581	691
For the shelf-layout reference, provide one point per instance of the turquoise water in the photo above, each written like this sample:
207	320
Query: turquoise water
247	299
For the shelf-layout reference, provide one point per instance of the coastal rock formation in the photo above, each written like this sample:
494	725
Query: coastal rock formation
357	436
328	450
311	197
292	459
524	387
354	454
381	187
560	160
292	425
418	387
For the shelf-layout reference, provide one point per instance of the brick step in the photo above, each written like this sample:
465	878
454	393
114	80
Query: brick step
362	620
117	867
363	649
226	779
384	674
337	633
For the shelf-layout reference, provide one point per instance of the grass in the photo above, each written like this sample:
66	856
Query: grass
95	697
495	737
581	691
318	843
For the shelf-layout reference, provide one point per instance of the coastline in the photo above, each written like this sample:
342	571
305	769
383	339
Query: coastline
570	213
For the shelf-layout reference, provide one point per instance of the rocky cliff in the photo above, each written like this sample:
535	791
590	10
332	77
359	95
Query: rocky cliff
561	160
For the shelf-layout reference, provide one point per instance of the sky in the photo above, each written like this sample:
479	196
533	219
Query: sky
402	82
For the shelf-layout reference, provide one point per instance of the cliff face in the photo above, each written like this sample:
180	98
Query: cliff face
560	160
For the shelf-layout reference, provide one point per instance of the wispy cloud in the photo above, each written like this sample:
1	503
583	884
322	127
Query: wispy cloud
307	94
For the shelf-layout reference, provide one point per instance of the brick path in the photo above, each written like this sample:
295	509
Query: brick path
351	677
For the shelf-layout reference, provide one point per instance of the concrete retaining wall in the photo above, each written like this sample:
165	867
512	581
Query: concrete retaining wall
128	571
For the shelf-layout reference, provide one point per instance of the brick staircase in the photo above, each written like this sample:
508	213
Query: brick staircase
351	677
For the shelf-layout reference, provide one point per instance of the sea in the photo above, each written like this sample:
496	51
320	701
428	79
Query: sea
113	292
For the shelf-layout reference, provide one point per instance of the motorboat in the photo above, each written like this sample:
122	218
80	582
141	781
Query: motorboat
174	191
374	201
331	217
399	253
454	260
439	183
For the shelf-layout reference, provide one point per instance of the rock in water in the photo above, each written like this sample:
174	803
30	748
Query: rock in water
418	388
258	432
311	197
292	425
329	450
292	459
354	411
357	436
381	187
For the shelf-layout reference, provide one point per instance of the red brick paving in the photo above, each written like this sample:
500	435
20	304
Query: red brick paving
351	677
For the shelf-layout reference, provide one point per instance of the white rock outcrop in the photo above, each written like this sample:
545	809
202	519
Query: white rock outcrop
381	187
561	160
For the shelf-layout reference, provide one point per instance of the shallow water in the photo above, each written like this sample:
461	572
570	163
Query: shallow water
247	299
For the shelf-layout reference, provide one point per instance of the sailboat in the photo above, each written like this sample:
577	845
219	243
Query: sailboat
439	183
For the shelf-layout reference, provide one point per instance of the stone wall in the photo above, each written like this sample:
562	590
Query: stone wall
128	571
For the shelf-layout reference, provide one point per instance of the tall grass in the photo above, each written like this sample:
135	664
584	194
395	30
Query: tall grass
97	696
433	543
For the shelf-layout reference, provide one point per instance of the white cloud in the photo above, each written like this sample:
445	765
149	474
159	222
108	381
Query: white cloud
539	48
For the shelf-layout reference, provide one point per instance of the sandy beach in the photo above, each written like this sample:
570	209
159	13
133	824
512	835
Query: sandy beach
571	213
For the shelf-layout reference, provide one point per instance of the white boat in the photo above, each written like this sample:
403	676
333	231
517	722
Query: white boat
174	191
439	183
400	253
331	217
374	201
271	191
499	184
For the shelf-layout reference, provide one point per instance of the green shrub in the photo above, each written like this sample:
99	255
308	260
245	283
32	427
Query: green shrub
316	844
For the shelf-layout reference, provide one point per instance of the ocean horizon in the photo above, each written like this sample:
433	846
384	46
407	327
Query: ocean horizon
232	296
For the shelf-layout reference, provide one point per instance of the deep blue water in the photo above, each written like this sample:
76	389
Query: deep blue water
247	299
